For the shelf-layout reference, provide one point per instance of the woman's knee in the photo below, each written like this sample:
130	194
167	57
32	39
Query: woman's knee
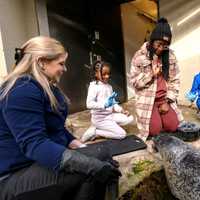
171	127
155	130
155	127
170	122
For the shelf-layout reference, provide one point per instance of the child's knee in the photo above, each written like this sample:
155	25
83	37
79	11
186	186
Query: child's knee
130	119
126	120
122	134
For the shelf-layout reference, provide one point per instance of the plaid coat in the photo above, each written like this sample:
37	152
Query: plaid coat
145	86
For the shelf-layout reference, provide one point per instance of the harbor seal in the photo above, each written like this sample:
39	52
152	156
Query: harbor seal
182	166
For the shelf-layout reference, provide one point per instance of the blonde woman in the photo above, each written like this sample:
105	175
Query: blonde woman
36	150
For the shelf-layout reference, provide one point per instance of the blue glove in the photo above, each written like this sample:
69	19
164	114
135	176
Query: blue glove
191	96
111	100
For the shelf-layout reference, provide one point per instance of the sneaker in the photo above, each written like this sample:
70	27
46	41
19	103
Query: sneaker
89	134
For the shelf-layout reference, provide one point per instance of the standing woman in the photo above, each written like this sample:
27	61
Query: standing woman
36	151
155	77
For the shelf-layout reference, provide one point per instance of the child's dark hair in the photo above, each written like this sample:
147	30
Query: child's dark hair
164	58
98	65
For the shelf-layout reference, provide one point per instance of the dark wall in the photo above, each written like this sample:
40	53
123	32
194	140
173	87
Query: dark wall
75	40
110	44
74	23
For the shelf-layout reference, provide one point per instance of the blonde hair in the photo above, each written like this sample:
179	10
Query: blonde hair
36	48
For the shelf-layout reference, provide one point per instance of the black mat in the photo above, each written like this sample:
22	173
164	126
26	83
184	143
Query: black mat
118	147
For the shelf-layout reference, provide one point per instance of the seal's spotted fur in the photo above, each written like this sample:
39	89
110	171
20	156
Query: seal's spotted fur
182	167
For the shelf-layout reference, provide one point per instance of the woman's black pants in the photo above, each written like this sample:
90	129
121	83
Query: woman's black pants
37	183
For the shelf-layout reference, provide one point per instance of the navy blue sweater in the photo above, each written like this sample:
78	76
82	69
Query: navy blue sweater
30	131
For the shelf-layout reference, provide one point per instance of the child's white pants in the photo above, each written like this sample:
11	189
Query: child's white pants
108	127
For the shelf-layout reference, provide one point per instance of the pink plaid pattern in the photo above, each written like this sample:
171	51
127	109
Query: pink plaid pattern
145	86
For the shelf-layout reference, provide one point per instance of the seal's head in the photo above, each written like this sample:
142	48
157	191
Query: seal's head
181	163
169	147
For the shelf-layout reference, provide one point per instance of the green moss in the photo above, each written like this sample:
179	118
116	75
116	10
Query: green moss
139	170
141	166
